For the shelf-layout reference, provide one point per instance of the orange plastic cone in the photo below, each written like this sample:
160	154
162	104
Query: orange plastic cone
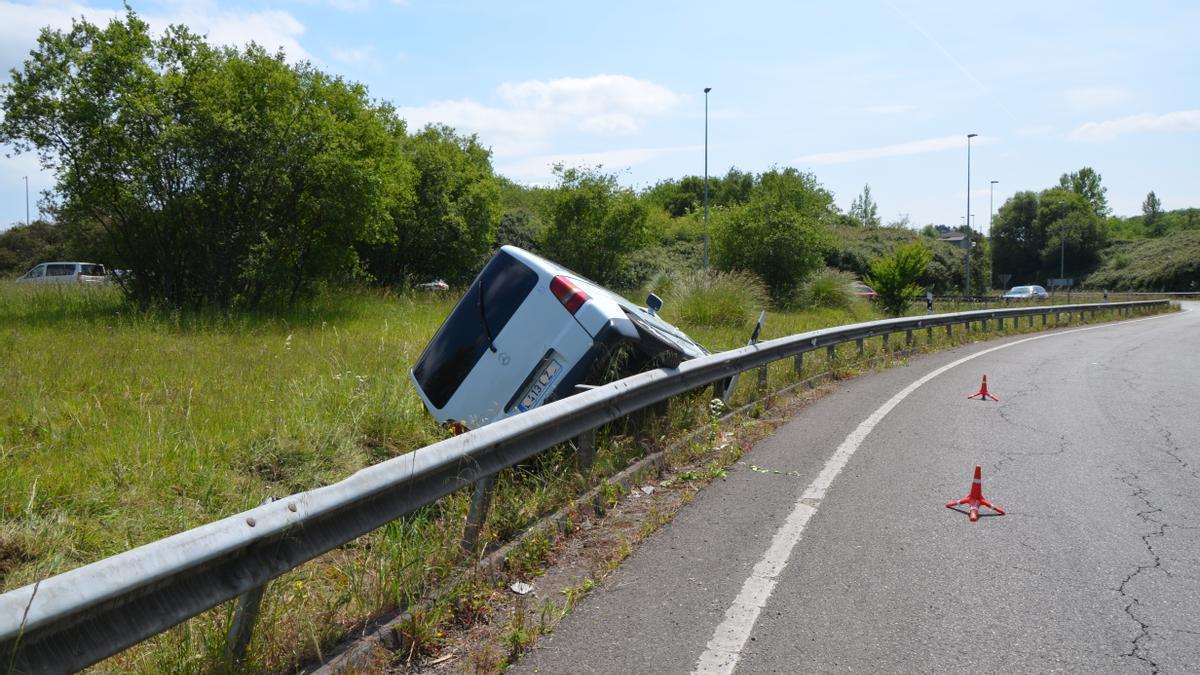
975	499
983	394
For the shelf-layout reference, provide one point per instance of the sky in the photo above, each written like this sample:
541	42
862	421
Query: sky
878	92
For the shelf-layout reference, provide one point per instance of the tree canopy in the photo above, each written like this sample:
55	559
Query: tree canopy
218	175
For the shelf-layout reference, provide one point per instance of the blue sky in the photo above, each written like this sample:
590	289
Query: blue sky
872	91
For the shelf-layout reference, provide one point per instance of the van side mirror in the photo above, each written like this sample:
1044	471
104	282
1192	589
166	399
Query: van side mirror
653	303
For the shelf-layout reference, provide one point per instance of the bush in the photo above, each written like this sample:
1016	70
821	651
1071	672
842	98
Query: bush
894	277
830	288
730	299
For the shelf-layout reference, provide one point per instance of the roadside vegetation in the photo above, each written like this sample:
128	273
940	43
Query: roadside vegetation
259	344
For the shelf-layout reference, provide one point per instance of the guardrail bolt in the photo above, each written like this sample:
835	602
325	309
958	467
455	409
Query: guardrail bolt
481	498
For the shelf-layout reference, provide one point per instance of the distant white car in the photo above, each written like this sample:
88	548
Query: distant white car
528	331
1026	293
66	272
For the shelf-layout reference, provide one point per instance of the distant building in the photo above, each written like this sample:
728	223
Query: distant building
958	239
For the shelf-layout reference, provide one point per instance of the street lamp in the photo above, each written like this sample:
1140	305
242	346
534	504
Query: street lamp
991	188
706	90
26	199
967	265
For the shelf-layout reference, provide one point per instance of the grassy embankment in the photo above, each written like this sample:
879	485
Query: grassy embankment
120	426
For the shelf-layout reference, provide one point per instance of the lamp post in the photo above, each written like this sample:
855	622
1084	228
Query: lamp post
967	265
26	199
991	194
706	90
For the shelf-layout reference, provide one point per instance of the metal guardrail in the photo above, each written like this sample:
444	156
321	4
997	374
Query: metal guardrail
72	620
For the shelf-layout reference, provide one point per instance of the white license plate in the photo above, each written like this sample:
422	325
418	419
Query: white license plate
541	384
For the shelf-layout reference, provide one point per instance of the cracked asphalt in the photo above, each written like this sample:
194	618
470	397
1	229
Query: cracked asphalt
1094	452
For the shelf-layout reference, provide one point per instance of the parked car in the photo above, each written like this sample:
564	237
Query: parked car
862	290
66	272
1026	293
435	285
528	331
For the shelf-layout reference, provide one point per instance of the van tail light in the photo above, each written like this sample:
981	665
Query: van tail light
570	295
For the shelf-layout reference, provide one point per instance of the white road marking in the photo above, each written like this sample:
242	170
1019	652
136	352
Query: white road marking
725	648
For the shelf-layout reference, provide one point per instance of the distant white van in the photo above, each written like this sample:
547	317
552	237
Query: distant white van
66	272
528	331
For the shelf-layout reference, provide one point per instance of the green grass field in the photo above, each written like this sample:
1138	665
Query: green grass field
119	427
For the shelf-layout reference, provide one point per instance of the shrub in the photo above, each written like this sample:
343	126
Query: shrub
717	299
829	288
894	277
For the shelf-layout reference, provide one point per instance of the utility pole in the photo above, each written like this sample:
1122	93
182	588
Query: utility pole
706	90
26	199
967	273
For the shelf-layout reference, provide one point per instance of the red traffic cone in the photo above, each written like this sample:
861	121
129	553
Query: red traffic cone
975	499
983	394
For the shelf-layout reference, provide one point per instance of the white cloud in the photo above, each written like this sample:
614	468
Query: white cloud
538	168
957	142
890	109
534	110
356	56
1110	130
1096	97
20	25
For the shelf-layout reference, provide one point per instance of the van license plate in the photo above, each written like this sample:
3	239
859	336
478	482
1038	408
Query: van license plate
542	383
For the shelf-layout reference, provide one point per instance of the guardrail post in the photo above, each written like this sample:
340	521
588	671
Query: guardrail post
481	498
585	447
1045	318
830	356
887	342
762	380
859	344
798	364
241	627
908	338
985	325
949	330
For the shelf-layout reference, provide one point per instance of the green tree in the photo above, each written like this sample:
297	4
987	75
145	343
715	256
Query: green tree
1152	218
594	224
894	277
864	210
1018	238
1086	183
1072	231
779	235
447	226
218	175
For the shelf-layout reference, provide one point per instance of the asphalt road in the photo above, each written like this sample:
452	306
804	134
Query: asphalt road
1093	450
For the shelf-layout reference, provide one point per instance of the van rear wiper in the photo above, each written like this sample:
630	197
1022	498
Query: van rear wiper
487	332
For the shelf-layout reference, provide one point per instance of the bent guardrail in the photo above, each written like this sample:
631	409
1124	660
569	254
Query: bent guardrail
72	620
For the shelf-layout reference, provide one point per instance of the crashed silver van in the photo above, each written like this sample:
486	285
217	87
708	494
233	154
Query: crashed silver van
529	331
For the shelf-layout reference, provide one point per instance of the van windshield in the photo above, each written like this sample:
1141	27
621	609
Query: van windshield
463	338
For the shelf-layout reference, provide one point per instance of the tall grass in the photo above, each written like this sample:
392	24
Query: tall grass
120	426
829	288
716	299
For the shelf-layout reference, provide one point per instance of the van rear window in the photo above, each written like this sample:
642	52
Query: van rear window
462	339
